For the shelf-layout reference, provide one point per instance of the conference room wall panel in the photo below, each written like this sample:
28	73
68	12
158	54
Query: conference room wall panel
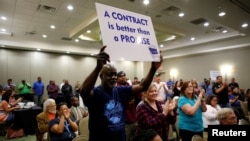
198	66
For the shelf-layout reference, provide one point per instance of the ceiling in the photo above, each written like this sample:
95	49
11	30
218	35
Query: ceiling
28	20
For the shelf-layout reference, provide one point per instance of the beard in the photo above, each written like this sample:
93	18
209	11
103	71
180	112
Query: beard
52	111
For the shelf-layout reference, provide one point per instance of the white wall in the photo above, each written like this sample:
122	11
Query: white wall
198	66
28	65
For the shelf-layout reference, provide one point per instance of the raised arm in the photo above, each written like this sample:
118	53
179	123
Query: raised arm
89	82
148	79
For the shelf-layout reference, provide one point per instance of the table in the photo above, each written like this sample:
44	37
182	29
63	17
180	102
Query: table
26	119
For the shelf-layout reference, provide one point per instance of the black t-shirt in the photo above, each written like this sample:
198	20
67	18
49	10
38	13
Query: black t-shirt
223	95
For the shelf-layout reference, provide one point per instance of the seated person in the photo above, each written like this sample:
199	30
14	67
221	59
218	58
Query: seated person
77	112
62	128
49	113
209	117
226	116
7	105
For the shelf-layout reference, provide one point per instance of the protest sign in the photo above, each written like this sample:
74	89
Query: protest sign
128	36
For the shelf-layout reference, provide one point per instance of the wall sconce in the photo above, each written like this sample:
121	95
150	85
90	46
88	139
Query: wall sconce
173	73
226	70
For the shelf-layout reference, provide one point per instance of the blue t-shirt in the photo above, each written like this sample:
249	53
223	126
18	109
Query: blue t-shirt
67	135
192	123
38	87
107	113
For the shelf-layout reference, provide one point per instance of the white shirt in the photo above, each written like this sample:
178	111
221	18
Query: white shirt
161	87
209	117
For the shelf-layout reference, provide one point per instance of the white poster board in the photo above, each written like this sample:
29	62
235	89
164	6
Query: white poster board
128	36
214	74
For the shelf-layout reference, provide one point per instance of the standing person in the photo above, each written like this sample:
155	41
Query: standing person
162	88
190	108
38	89
221	90
67	92
154	114
9	86
24	87
106	102
130	111
53	90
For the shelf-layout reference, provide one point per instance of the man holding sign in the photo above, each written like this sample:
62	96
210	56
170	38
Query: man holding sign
106	102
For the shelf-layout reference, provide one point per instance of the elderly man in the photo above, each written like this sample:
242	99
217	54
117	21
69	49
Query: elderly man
226	116
49	113
107	102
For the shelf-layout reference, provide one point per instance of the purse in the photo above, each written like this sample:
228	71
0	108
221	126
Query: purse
12	132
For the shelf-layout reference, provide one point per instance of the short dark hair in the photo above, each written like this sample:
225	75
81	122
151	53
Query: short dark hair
60	104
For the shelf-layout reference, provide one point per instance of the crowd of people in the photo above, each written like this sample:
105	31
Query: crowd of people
121	110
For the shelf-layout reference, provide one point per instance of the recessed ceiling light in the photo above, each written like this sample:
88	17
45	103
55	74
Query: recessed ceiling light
146	2
2	45
224	31
52	27
161	45
44	36
70	7
68	52
92	54
181	14
192	39
4	18
38	49
244	25
3	30
88	31
221	14
76	40
206	24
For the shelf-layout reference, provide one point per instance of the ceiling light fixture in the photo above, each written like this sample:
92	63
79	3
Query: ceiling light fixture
222	13
224	31
68	52
4	18
192	39
52	27
76	40
181	14
70	7
244	25
38	49
161	45
206	24
3	30
44	36
88	31
146	2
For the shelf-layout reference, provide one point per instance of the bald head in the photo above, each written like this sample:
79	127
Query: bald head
108	75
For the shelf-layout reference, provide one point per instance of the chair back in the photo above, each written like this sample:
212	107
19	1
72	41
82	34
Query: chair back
83	129
81	138
244	108
197	138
